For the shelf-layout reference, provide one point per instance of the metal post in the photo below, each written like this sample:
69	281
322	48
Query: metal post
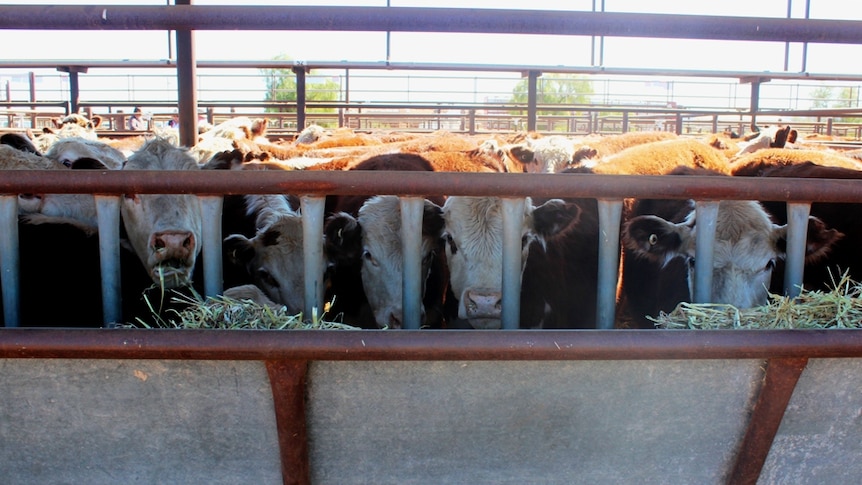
300	97
312	245
108	215
513	220
411	244
187	85
610	213
211	213
532	99
9	260
797	232
706	214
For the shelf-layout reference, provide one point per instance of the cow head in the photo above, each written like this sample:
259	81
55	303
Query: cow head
163	229
473	238
274	256
747	246
373	241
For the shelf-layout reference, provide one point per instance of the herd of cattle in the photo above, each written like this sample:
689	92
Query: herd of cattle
461	246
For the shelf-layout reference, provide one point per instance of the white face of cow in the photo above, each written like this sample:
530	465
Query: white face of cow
746	249
274	256
473	235
163	229
382	257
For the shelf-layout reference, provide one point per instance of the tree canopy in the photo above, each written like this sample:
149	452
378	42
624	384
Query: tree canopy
281	86
555	88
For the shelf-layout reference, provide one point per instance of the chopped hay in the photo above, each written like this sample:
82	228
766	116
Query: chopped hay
225	313
841	307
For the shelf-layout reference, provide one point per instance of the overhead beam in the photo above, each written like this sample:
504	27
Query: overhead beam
411	19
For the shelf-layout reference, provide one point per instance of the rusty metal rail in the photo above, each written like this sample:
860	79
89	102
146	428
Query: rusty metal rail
415	183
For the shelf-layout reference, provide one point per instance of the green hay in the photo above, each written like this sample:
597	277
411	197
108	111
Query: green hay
839	307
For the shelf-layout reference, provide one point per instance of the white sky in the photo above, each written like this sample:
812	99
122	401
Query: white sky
462	48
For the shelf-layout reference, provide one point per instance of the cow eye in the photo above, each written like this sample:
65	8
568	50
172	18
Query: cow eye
367	256
266	278
451	243
691	263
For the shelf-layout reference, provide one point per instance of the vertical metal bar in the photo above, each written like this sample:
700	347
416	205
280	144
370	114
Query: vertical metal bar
211	212
300	97
755	102
513	221
411	246
532	99
312	245
797	234
779	382
706	214
9	260
610	213
187	92
625	121
287	379
108	215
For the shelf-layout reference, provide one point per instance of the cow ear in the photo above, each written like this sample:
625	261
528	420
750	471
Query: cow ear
432	220
553	216
19	142
653	237
96	120
342	237
239	249
820	240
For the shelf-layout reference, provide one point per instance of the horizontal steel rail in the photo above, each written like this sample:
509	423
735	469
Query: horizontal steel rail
311	182
420	345
411	19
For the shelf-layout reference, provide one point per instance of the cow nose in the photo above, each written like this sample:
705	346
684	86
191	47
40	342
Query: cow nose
172	244
483	304
394	321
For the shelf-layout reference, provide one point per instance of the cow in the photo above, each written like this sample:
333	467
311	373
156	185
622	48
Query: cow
658	239
552	154
164	230
273	257
842	224
371	243
74	125
473	246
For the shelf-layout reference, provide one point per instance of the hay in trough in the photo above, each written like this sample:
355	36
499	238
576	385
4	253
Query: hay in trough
226	313
840	307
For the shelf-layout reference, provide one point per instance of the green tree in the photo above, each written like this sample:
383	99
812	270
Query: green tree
820	97
281	86
848	98
555	88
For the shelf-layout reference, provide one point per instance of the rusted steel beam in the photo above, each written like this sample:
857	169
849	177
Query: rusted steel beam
410	19
412	345
779	381
312	182
288	379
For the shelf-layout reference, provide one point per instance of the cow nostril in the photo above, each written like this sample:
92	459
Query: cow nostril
187	243
158	244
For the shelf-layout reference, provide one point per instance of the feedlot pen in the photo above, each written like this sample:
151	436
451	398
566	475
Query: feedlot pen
512	406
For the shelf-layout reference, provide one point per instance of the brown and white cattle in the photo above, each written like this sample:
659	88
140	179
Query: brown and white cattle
163	229
473	239
372	242
841	225
72	126
273	257
659	245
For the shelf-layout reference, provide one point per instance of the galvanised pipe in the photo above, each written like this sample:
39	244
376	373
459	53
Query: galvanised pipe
424	345
706	214
610	214
358	182
108	216
211	215
411	19
513	222
312	247
9	261
797	233
412	209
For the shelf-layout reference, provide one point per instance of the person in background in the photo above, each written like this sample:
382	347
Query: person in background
136	122
174	122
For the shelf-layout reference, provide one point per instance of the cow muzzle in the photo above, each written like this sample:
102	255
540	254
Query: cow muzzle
172	257
482	308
